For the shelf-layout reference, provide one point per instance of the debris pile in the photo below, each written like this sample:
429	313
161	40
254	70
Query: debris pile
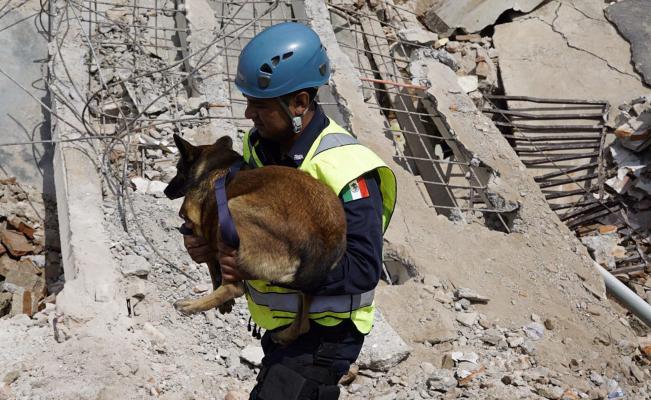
623	239
140	96
474	357
472	57
629	162
22	258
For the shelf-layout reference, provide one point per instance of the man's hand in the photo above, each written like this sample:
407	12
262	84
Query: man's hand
228	263
197	247
200	252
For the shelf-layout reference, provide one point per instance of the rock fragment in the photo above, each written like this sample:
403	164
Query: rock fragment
383	347
534	330
253	355
471	295
468	83
442	380
135	265
468	319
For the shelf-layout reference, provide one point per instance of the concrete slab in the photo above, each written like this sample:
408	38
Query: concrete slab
631	17
471	15
23	50
383	347
550	54
91	291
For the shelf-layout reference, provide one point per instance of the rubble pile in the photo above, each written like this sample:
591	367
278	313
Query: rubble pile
458	353
22	258
472	57
622	241
136	85
473	357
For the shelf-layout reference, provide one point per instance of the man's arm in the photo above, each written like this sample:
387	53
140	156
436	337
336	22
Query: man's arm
360	268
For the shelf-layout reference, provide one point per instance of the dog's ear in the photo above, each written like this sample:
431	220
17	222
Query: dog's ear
225	141
186	148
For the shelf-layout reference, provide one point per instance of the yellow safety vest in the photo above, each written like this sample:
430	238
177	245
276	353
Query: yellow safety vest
336	158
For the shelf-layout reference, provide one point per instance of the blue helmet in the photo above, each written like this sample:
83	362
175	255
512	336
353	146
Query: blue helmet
280	60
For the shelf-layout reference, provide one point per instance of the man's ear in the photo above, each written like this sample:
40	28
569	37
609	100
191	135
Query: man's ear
301	102
225	141
186	148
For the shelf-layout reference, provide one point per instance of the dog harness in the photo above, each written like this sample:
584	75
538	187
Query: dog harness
336	158
226	225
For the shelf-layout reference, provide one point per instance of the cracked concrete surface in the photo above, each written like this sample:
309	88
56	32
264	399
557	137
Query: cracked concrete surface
632	20
470	15
566	50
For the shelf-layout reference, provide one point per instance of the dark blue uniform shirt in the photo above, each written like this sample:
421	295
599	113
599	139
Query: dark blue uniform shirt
360	268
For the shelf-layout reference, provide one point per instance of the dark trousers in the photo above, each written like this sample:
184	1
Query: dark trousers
310	367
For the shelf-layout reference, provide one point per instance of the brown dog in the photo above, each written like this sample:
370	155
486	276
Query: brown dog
292	227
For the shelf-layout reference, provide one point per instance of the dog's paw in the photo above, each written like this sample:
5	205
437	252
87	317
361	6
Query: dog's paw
227	307
185	306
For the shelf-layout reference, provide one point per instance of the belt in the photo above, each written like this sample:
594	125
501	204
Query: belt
289	302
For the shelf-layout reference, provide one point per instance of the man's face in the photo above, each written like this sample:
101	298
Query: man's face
269	118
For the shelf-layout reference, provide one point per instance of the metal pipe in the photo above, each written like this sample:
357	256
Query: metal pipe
626	296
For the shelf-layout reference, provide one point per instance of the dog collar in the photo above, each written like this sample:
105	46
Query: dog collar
226	225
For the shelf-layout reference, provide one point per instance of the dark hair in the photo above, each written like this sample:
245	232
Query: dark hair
310	91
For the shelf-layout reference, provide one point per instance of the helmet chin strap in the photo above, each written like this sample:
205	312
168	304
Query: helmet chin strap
297	120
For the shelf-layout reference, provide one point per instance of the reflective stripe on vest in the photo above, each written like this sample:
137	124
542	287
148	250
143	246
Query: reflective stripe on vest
289	302
336	158
333	140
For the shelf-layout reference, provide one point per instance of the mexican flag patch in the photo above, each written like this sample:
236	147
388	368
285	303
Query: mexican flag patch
355	190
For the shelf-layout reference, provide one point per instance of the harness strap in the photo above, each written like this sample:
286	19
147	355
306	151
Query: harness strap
226	225
289	302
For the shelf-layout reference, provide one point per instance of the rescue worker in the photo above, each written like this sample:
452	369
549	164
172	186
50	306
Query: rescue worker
279	72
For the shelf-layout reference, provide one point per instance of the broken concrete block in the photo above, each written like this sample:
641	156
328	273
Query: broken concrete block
19	280
154	188
24	302
468	83
444	17
474	297
442	380
21	226
16	243
141	184
383	347
602	248
468	319
252	355
417	36
157	188
135	265
482	70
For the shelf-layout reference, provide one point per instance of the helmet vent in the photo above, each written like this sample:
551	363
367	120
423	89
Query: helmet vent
275	60
266	68
322	69
263	82
287	55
